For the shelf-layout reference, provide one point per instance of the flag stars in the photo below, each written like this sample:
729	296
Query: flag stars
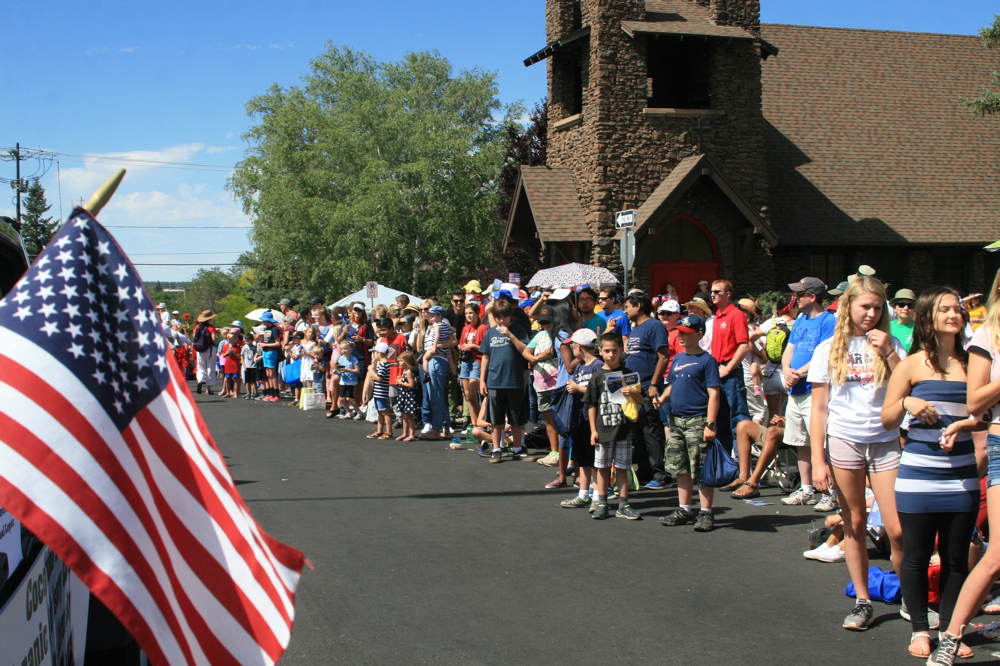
161	363
42	276
81	222
49	328
118	406
68	291
121	271
102	247
76	350
74	330
45	292
122	293
84	240
23	313
103	267
137	294
44	261
67	273
63	242
65	255
21	297
48	309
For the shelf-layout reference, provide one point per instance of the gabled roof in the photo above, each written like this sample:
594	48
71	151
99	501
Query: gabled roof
549	195
678	182
868	141
683	17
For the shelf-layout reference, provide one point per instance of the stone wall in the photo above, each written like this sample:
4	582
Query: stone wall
742	13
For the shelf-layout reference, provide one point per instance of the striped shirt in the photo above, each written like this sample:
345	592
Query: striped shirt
931	480
435	332
381	388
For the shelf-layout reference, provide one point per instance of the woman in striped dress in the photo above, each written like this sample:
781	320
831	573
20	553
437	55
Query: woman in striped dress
937	485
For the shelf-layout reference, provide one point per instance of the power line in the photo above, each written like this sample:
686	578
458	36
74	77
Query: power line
208	263
137	226
125	161
148	254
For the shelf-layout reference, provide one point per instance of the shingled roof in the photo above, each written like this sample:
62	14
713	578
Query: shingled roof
869	143
548	196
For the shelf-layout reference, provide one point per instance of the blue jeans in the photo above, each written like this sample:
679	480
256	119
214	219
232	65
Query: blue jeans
533	414
732	407
437	398
425	404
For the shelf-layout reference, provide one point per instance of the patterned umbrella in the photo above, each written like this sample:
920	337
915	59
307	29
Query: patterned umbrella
573	275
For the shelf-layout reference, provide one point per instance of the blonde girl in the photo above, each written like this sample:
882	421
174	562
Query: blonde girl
406	400
849	374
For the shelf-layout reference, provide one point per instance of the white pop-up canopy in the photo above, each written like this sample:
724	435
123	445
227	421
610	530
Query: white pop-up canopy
386	296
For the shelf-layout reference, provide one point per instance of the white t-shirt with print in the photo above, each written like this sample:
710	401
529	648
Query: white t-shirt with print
982	343
855	407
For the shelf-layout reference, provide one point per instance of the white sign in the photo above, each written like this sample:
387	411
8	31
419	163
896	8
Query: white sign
10	541
628	250
625	219
371	289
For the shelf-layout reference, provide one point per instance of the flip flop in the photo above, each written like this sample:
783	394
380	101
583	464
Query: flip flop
385	436
401	439
329	415
750	495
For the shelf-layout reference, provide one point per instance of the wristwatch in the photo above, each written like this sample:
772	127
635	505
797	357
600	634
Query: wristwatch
712	425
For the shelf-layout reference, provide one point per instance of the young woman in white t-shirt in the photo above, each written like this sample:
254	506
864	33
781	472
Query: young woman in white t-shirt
849	374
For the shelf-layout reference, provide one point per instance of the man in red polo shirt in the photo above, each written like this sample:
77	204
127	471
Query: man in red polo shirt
730	343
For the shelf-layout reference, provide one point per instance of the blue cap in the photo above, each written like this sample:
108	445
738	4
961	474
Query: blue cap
436	310
505	292
691	324
527	303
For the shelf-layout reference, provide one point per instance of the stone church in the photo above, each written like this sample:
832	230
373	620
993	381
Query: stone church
760	153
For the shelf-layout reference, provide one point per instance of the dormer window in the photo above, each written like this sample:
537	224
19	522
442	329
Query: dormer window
677	73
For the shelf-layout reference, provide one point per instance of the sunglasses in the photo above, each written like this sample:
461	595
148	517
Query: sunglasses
605	298
905	305
717	291
457	300
425	309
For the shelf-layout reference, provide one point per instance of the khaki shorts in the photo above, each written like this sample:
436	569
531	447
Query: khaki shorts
798	410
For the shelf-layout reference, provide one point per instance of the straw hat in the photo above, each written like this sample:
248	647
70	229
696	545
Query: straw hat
206	315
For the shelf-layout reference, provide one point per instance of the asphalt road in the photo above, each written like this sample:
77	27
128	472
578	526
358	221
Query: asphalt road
426	555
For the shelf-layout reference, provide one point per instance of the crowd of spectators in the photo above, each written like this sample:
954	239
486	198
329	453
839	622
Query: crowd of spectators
888	403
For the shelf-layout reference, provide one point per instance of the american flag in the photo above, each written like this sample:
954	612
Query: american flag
105	457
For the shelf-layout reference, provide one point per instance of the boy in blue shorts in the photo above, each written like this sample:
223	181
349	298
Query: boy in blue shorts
270	343
609	432
693	389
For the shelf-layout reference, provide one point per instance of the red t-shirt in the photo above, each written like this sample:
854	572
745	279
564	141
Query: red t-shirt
729	333
397	345
674	347
473	334
232	353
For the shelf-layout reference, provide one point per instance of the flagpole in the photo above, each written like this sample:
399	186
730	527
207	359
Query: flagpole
104	194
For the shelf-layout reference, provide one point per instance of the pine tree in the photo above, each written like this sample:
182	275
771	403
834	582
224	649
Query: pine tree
36	230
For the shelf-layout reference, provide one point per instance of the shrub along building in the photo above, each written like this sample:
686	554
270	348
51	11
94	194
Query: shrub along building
757	152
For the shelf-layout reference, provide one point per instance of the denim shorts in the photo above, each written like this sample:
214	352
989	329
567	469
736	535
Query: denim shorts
992	460
382	404
470	369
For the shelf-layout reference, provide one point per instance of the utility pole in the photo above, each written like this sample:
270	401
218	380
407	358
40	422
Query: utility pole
17	183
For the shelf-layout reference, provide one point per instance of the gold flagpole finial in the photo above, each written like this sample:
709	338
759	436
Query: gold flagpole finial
104	194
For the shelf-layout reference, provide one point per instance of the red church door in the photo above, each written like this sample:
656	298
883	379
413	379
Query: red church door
683	254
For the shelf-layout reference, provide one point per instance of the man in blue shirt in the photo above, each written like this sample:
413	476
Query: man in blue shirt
646	354
617	321
814	325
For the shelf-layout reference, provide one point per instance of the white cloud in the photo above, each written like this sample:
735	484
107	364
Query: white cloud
212	150
105	49
281	46
130	49
95	51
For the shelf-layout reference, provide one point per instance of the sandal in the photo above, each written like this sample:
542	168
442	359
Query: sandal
374	435
734	485
923	653
751	492
992	606
558	483
330	415
385	435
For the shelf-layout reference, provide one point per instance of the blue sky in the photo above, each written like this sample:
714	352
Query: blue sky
168	82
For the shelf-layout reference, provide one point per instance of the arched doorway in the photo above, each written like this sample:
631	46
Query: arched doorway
683	253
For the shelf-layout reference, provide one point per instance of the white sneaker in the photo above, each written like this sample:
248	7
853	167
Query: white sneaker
799	497
826	504
811	554
427	429
832	554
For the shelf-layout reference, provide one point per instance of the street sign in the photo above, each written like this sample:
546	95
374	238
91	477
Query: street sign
628	250
626	219
371	289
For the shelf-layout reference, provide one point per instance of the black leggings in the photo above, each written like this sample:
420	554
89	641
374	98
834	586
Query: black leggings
953	532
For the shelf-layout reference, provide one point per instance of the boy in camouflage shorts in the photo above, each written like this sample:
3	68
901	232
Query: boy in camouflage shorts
693	389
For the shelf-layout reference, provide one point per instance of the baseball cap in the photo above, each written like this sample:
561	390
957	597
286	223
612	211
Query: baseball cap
382	348
238	324
669	306
358	306
316	301
175	312
284	301
545	315
162	305
559	294
584	337
691	324
701	282
839	289
436	310
298	334
812	285
527	303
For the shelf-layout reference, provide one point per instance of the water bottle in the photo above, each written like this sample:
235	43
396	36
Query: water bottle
990	631
470	440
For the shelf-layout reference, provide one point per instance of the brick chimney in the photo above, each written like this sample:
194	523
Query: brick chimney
741	13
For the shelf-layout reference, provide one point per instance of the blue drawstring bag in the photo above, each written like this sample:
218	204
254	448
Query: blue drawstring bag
719	469
882	586
292	373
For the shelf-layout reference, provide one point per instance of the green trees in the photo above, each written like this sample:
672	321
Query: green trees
988	102
374	170
36	229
